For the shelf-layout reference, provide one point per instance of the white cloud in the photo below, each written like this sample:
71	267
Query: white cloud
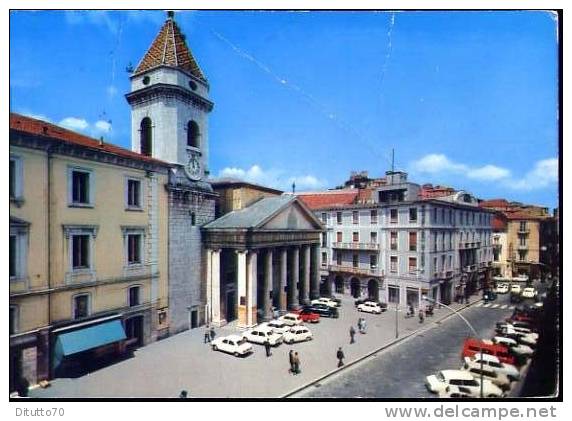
543	174
488	172
274	178
36	116
94	17
74	123
103	126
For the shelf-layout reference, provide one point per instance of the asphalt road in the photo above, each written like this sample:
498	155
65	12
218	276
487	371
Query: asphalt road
400	371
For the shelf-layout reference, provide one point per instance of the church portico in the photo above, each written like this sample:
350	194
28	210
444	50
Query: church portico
267	259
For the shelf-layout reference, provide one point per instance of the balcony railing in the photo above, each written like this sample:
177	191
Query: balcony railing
522	247
357	270
356	246
523	231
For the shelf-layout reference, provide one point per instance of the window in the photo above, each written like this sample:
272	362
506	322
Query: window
434	215
324	239
133	194
339	237
133	249
413	241
80	187
12	180
435	267
412	264
373	237
442	215
393	294
412	214
339	258
443	240
373	216
450	216
81	306
324	258
443	261
355	217
134	296
355	260
193	134
13	256
355	237
193	219
435	241
522	255
339	218
522	226
373	261
324	217
13	319
393	216
80	251
15	178
450	267
146	137
393	240
393	264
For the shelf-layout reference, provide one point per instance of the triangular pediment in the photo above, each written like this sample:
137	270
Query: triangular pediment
292	217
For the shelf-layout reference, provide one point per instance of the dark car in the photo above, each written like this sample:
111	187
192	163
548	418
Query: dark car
323	310
489	295
359	301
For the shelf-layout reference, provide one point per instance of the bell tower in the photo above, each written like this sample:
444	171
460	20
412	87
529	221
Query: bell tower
169	101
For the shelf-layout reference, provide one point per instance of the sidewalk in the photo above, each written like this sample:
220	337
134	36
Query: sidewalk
183	361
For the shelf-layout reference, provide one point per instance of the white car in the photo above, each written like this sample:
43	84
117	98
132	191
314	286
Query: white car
499	379
519	349
528	292
457	392
262	334
323	300
437	383
515	289
232	344
291	319
495	364
501	289
369	307
277	326
297	334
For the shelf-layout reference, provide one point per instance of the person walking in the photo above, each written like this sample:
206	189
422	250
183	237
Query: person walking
340	355
207	334
183	394
213	333
421	315
296	363
352	334
291	358
363	326
267	348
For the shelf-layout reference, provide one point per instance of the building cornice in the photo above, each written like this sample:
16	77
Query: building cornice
164	90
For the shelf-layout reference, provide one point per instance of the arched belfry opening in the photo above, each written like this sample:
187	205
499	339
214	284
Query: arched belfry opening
146	140
193	134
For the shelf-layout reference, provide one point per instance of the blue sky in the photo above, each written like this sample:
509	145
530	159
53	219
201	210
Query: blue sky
467	99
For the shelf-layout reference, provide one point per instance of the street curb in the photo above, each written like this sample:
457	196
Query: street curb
375	351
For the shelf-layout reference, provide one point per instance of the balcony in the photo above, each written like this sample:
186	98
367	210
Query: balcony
497	245
522	247
524	231
356	246
357	271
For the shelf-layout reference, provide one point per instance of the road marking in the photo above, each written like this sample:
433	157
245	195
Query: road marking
511	307
495	305
487	305
480	304
504	306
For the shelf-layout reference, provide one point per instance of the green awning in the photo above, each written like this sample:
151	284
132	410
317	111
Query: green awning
88	338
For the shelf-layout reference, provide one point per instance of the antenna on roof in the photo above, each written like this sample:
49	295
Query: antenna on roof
392	159
293	187
170	14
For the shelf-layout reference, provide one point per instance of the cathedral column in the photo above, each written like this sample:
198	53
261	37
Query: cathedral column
251	288
267	309
294	278
315	273
241	281
283	279
213	288
305	284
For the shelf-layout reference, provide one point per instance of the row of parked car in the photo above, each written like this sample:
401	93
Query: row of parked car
497	361
288	328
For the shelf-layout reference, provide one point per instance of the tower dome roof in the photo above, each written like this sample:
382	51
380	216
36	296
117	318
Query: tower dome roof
170	49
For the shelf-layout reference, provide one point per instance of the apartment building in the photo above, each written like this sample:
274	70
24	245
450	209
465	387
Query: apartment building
396	246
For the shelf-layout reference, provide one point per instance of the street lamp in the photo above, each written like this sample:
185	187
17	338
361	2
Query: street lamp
470	327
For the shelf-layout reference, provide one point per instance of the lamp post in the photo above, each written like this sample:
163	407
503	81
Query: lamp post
472	330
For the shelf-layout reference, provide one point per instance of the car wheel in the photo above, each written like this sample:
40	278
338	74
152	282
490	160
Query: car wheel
236	354
215	348
309	338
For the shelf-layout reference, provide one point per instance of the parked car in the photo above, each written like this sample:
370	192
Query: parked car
325	300
514	346
369	307
262	334
495	364
501	289
473	346
515	289
522	338
233	344
324	310
457	392
359	301
291	319
278	326
528	292
337	300
439	382
307	315
499	379
297	334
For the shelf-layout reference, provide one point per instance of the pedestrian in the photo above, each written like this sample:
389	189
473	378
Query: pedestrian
183	394
411	310
296	363
267	348
207	334
363	326
213	334
291	358
421	315
352	334
340	355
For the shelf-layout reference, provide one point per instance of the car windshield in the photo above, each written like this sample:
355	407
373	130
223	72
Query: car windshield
440	377
241	341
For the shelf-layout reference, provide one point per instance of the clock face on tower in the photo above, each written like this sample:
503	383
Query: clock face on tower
193	168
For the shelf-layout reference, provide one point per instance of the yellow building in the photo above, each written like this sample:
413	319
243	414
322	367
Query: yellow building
88	250
523	242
